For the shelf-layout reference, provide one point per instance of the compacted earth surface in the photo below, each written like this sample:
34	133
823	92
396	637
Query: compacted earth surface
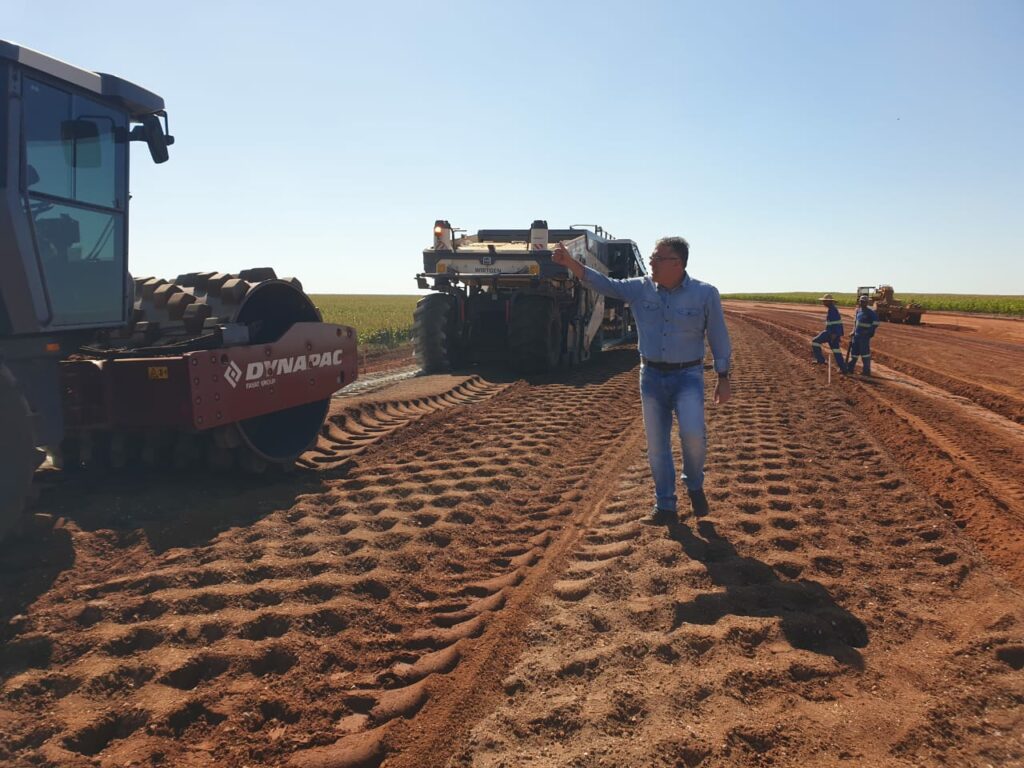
458	575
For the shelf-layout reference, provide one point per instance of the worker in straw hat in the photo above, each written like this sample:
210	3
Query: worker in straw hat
832	334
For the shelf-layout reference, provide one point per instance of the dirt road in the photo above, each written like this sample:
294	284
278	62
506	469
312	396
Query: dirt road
457	577
978	358
949	412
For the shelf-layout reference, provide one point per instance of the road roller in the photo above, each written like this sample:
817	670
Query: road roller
102	370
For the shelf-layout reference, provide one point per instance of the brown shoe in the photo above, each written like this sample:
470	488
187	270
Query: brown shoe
661	517
699	502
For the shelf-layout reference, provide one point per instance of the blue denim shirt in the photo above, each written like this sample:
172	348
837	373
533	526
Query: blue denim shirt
671	324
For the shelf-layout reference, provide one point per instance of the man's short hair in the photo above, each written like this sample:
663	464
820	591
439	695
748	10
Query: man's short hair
678	245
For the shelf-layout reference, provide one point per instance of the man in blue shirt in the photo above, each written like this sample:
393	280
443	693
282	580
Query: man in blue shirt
832	334
864	327
673	314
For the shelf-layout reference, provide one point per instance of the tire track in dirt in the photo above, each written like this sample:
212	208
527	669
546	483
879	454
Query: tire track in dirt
982	457
350	431
825	613
968	463
304	637
475	686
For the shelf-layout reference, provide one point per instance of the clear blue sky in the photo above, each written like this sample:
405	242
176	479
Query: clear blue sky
797	145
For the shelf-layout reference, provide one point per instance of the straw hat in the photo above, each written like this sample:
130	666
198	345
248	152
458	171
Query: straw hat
827	297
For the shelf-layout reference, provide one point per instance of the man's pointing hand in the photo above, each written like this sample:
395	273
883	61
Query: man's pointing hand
562	258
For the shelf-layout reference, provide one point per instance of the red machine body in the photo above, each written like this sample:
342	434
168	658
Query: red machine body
200	390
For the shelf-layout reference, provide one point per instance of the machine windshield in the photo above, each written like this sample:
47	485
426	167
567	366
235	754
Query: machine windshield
74	179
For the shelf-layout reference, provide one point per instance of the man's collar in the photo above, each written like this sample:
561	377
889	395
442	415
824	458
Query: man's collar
682	284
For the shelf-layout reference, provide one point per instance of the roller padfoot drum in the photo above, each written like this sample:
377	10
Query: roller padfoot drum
216	370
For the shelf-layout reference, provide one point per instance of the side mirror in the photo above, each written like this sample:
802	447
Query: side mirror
81	142
155	137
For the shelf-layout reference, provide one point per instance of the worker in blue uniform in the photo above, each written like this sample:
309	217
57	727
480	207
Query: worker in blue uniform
865	324
832	334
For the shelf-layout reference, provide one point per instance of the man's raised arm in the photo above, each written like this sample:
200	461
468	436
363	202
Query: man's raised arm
617	289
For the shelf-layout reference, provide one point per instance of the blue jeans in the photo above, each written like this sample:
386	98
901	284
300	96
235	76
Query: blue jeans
665	394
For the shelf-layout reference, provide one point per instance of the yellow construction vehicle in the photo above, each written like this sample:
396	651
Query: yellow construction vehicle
889	308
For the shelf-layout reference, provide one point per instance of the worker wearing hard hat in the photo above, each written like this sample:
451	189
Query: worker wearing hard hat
832	334
865	324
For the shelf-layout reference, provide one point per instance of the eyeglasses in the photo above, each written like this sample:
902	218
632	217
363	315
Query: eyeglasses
654	259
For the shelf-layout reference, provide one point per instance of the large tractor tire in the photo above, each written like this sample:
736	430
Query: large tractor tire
18	455
434	335
535	334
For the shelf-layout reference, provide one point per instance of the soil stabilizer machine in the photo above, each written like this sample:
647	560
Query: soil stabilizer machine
889	308
498	297
102	370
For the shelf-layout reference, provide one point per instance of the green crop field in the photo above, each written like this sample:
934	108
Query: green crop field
383	322
952	302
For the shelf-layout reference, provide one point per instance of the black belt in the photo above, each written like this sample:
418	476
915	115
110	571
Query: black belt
669	366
